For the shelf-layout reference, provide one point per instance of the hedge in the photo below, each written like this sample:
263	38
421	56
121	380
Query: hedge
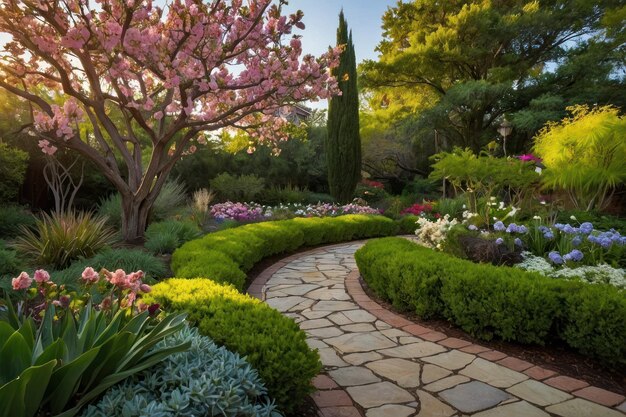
272	343
227	255
504	302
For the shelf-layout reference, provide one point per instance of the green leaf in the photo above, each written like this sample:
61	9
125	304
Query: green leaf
32	382
64	381
6	330
14	357
56	350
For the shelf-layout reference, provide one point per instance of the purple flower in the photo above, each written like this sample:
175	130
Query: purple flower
559	226
605	242
472	227
522	229
556	258
512	228
577	241
518	242
544	229
568	229
499	226
576	255
586	228
499	241
548	235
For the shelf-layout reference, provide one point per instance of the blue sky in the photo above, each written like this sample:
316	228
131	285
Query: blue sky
321	18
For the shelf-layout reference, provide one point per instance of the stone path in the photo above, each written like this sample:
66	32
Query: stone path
378	364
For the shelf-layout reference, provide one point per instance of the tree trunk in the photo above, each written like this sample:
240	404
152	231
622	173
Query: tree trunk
134	218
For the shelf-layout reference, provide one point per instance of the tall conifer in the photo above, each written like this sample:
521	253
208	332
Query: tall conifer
343	145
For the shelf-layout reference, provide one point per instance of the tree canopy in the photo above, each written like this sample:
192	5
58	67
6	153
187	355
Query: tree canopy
148	82
459	67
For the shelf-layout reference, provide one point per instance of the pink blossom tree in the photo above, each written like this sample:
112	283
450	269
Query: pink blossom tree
152	83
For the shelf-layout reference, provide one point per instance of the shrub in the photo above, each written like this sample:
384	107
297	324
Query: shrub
60	238
288	195
584	154
229	385
112	259
166	236
77	357
200	205
240	188
224	256
453	207
169	201
407	224
12	218
370	191
489	301
13	164
10	263
271	342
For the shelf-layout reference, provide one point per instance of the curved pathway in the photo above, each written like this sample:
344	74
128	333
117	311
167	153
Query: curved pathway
378	364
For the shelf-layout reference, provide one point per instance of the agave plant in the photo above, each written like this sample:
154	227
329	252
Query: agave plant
60	238
58	366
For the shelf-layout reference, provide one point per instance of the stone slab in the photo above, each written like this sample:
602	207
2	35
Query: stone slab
404	373
538	393
360	342
493	374
380	393
474	396
353	375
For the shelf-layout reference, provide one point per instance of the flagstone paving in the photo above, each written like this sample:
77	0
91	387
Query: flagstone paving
378	364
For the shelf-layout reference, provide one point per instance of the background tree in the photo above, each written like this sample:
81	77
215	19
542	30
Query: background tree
343	145
150	81
458	67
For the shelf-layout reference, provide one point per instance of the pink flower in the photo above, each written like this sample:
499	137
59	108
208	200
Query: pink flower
63	301
90	276
119	279
145	288
41	276
22	282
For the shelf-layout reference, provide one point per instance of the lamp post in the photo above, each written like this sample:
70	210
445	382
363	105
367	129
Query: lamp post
505	130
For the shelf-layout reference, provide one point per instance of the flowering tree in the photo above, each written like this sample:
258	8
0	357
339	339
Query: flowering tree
150	83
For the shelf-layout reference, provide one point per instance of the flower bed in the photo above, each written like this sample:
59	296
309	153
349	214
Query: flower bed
250	212
489	301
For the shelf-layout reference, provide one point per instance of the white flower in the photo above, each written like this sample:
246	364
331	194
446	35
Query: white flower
573	218
542	202
536	218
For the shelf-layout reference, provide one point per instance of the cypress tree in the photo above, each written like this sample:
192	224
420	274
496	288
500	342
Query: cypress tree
343	144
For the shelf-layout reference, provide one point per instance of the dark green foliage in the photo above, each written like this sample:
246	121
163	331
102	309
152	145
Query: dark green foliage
237	188
271	342
369	193
489	301
407	224
166	236
225	256
343	145
600	221
12	218
13	163
10	263
226	380
129	260
285	195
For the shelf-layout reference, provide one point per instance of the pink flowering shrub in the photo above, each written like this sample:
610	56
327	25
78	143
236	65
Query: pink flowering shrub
120	290
237	211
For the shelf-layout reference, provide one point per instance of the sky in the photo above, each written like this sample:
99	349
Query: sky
321	18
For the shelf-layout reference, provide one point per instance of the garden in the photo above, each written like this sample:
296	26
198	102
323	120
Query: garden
166	192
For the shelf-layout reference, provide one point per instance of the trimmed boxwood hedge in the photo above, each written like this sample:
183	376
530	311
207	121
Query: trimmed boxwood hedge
227	255
272	343
488	301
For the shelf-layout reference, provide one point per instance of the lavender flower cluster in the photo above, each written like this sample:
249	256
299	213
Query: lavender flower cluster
575	255
254	212
511	228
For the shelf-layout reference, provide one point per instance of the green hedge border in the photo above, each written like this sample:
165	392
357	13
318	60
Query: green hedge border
227	255
504	302
272	343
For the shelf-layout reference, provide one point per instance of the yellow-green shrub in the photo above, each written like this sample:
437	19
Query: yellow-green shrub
271	342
